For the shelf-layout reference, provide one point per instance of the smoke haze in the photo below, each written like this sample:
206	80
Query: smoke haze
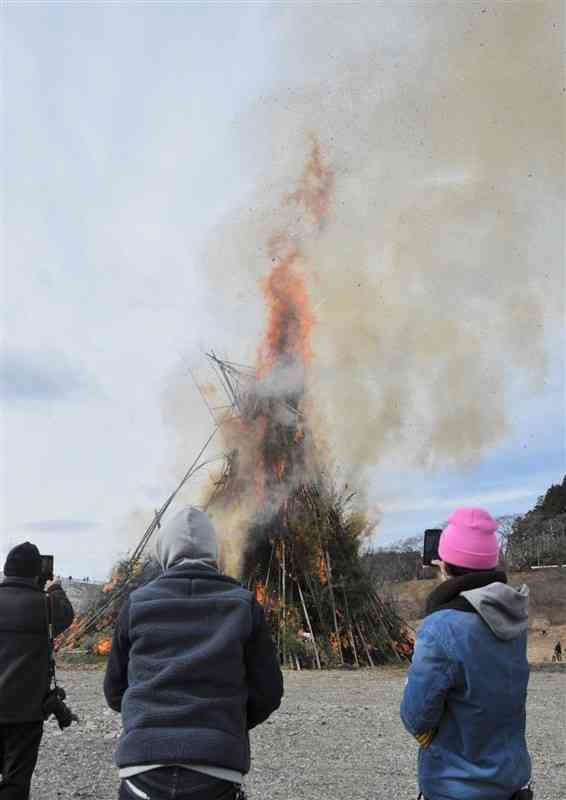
436	272
423	191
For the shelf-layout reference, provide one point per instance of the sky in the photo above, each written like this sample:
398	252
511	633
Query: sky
133	135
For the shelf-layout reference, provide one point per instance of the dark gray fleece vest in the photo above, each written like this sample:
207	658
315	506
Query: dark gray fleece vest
187	692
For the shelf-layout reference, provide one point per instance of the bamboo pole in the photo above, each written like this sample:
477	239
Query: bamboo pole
269	566
353	644
284	600
316	600
159	514
134	558
307	618
365	644
333	603
350	633
382	623
90	622
202	395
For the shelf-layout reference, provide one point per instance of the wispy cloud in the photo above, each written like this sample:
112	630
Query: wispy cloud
35	376
60	525
487	498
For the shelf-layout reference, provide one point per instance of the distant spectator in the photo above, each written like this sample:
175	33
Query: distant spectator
557	651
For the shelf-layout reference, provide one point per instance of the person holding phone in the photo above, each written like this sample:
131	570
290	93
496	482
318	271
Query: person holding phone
24	662
466	691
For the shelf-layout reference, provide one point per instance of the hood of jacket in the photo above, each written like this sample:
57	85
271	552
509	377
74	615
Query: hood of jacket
504	609
189	538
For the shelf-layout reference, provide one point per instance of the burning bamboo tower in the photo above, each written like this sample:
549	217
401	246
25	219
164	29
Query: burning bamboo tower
287	532
301	552
301	536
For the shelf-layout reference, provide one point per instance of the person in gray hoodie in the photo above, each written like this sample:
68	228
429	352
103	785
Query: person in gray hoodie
466	691
192	669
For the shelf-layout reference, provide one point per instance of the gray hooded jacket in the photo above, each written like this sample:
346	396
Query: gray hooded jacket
189	538
505	610
192	666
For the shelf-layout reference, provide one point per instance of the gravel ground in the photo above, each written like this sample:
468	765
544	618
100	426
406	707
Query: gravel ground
337	736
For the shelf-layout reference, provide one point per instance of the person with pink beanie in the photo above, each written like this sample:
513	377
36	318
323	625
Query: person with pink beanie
469	540
466	690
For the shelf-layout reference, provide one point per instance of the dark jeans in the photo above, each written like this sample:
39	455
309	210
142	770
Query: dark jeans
19	747
523	794
175	783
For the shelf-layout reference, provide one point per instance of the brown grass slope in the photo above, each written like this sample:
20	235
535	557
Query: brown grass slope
547	606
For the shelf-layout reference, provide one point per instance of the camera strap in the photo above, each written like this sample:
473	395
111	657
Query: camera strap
49	618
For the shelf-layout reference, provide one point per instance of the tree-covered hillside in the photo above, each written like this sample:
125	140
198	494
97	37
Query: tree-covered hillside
538	538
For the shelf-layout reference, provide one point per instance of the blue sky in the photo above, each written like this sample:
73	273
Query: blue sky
135	139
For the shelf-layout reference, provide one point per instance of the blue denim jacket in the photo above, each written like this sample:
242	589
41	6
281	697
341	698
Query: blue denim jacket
468	681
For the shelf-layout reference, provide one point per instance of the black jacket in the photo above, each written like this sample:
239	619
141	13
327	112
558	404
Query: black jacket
24	646
192	669
447	595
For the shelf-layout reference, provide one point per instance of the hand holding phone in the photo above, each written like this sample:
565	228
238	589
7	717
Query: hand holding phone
430	548
46	569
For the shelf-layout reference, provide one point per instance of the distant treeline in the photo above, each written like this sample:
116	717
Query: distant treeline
399	562
537	538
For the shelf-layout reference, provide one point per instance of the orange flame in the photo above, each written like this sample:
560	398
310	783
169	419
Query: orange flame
103	646
290	319
405	648
109	587
69	637
260	593
315	186
322	569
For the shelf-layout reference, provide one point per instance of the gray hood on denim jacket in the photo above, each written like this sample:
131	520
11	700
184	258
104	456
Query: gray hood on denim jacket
505	610
188	537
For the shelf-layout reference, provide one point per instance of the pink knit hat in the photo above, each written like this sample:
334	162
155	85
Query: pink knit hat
469	539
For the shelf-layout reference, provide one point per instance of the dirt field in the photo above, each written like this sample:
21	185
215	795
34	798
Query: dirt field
547	607
336	737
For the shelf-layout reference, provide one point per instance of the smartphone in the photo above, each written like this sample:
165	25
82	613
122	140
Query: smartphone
430	549
47	568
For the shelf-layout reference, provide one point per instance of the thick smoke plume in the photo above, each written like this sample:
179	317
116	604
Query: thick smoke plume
410	175
433	251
